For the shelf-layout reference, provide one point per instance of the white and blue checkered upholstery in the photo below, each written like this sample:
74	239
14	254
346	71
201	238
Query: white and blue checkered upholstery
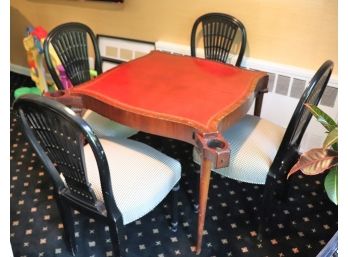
254	143
106	128
141	176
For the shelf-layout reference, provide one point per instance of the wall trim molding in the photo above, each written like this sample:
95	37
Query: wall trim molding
26	71
20	69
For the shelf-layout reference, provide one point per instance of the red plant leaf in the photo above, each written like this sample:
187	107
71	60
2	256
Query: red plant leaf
315	161
294	169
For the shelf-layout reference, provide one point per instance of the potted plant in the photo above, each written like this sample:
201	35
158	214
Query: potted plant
324	159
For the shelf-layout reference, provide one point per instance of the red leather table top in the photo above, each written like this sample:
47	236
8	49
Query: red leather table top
174	87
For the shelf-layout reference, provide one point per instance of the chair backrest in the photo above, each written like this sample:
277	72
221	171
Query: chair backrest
288	151
312	95
58	136
219	33
70	42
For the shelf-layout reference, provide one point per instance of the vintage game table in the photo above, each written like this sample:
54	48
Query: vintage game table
176	96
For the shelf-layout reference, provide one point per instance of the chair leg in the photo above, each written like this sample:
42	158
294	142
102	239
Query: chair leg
197	172
117	234
66	214
274	189
283	182
281	178
174	223
268	204
264	216
282	194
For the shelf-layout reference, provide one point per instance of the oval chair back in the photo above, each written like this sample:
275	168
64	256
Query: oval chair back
288	150
219	32
70	42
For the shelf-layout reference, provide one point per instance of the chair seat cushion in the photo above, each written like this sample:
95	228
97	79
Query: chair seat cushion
106	128
141	176
254	143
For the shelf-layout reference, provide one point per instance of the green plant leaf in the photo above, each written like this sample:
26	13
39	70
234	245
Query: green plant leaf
335	146
315	161
322	117
331	138
331	185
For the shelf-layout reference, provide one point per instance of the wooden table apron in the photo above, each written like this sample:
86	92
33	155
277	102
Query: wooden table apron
181	97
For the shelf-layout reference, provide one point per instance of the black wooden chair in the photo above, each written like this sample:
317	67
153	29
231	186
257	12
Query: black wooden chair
263	152
119	189
70	41
219	32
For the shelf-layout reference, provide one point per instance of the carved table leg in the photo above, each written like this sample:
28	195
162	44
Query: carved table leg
203	197
215	153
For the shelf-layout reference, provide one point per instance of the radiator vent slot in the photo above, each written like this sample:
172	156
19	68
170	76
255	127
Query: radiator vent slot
283	83
329	96
297	88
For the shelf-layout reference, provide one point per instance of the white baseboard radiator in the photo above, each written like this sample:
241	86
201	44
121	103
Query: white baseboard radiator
286	85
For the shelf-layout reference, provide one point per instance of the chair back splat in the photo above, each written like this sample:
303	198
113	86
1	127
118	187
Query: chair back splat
70	42
59	141
219	32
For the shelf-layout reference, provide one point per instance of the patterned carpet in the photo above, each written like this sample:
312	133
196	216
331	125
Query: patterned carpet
301	226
